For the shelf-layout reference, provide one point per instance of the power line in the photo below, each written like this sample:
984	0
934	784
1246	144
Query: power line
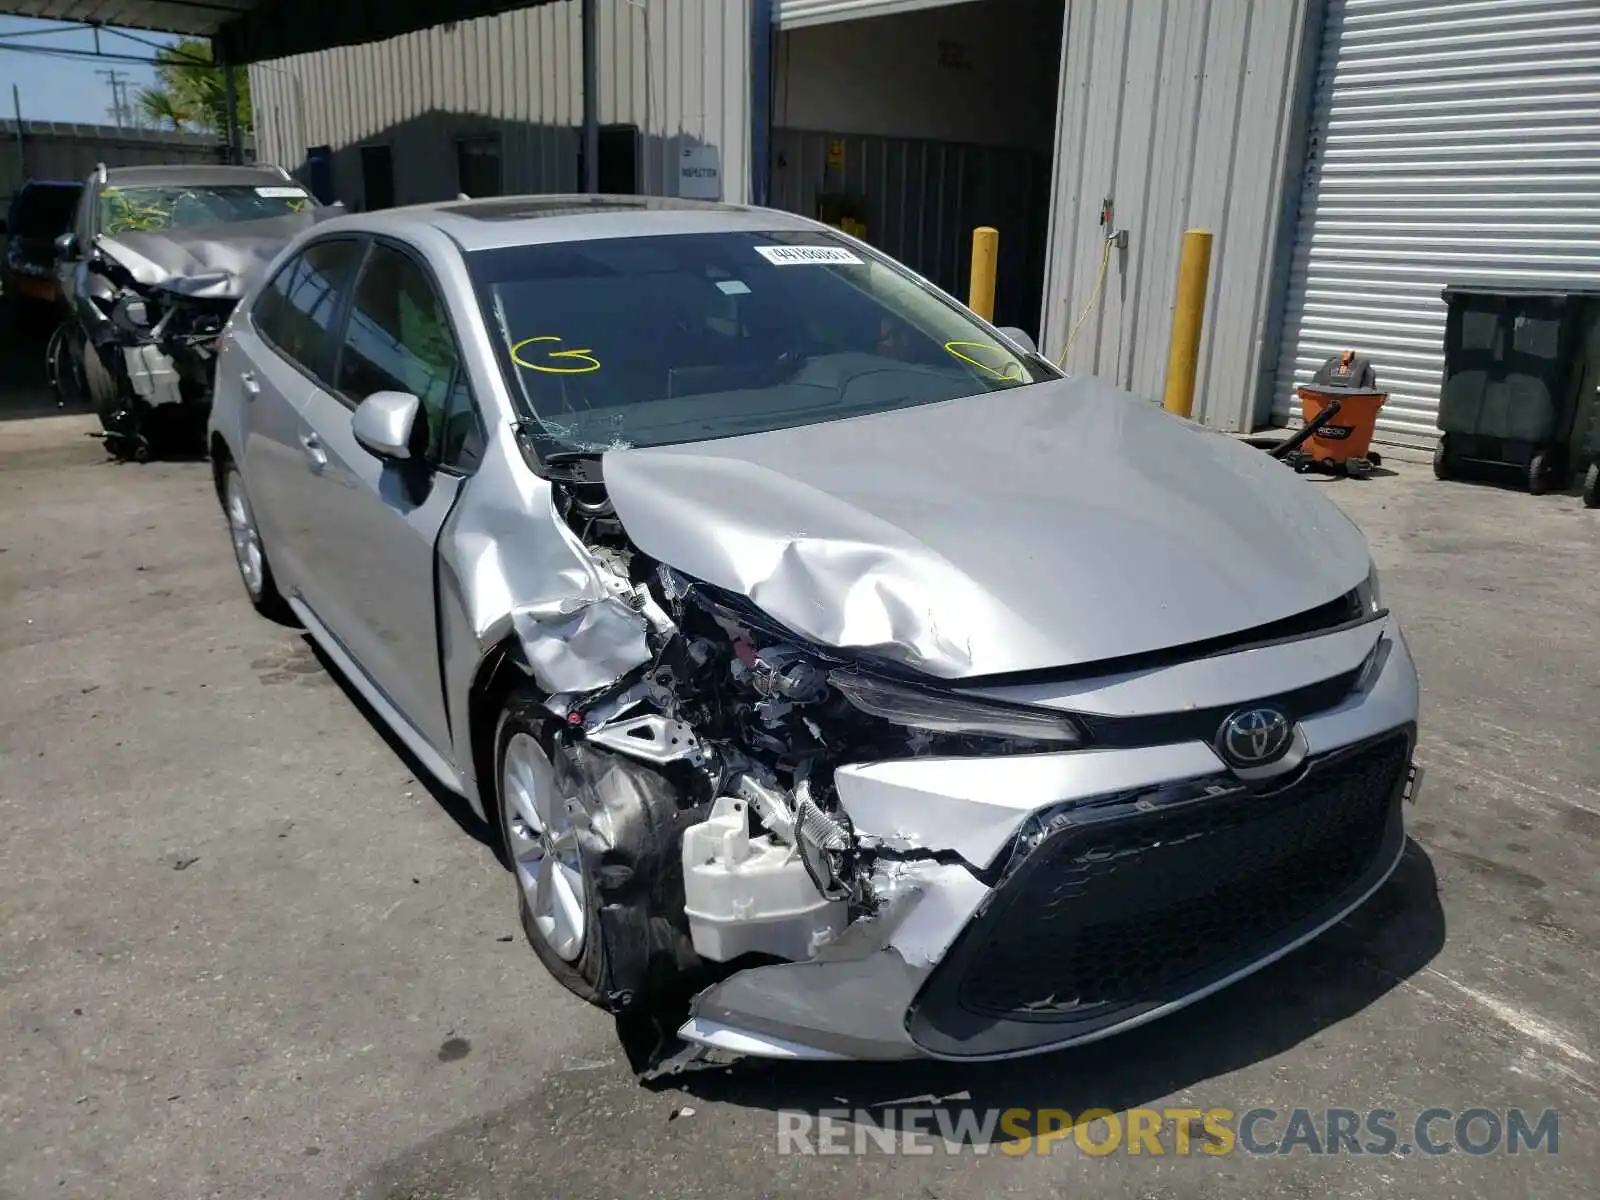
120	107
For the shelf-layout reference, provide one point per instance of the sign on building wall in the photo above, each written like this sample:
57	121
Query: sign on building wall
699	173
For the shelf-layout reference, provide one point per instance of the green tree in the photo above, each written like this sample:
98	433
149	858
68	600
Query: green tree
189	94
162	108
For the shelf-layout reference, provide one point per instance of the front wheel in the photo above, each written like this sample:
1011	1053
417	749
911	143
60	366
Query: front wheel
1441	460
1591	486
560	913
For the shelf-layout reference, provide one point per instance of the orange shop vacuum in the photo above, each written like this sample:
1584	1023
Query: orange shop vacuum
1347	385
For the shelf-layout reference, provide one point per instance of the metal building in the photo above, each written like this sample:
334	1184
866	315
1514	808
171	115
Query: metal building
1351	157
1450	142
494	105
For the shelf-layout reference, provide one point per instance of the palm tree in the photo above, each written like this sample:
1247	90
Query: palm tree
163	108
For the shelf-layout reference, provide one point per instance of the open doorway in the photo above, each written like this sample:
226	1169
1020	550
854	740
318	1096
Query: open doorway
911	129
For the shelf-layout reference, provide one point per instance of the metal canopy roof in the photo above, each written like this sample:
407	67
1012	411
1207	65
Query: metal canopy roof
245	31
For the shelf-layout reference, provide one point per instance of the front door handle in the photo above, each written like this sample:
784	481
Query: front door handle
250	384
315	454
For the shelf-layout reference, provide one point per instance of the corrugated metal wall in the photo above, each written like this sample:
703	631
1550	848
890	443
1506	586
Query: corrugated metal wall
1184	112
1453	142
923	200
57	150
678	69
793	13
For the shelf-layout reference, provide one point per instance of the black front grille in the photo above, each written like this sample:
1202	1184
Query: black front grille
1124	907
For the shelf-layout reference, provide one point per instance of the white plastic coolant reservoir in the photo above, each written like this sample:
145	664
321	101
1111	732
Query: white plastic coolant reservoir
746	894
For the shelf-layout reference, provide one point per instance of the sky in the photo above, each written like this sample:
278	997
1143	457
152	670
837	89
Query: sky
57	88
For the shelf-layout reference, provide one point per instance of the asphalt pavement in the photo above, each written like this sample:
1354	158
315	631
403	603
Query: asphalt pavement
246	951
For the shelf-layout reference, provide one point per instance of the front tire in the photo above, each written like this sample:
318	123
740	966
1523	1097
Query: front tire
557	904
248	552
1591	486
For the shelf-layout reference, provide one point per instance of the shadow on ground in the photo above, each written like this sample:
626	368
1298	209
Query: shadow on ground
458	808
568	1130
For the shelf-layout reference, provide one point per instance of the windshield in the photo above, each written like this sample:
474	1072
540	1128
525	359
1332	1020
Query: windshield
44	209
154	209
682	337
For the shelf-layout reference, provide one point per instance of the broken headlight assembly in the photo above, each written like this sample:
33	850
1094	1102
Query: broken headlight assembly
941	713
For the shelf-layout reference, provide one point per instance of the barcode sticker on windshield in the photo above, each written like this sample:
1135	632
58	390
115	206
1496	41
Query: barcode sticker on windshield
281	193
794	256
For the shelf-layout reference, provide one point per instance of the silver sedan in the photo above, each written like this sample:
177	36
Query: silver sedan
842	679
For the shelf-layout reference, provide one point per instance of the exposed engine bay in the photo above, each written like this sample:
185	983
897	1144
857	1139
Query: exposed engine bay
745	857
159	302
159	346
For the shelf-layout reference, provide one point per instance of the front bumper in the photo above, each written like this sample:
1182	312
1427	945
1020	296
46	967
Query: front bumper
1151	878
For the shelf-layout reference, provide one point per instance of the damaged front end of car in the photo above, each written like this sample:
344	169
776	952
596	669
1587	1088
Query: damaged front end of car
158	345
695	743
152	306
852	847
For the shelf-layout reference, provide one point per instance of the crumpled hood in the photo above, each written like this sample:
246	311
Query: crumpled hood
219	262
1043	527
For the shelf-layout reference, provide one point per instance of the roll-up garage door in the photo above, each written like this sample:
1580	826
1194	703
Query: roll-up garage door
1454	141
794	13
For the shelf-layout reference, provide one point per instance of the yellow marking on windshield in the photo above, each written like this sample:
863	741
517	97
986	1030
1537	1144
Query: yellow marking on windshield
583	355
1011	373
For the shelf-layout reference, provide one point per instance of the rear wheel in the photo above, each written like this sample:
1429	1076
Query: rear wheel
1539	474
248	552
1441	459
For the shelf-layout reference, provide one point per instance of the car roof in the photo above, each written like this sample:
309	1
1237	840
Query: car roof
64	184
197	175
528	220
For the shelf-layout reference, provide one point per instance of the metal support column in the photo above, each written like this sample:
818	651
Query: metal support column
231	89
762	34
591	96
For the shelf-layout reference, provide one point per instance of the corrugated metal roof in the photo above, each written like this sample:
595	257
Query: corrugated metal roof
165	16
252	30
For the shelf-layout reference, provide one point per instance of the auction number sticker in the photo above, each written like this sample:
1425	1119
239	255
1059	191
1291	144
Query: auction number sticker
797	256
281	193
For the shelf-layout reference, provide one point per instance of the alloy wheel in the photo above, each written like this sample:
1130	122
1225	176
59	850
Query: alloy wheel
543	846
246	538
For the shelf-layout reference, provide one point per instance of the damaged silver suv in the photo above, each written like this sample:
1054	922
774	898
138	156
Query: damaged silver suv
844	681
153	264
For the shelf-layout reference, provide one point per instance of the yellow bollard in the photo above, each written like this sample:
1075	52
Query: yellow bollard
985	258
1188	318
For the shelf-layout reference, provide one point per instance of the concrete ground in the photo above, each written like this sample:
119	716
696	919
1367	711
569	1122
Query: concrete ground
245	952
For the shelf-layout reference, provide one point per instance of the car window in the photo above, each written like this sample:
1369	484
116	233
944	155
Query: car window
296	309
398	339
638	341
150	209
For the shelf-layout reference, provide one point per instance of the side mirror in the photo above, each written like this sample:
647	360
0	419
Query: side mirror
1019	337
66	247
384	422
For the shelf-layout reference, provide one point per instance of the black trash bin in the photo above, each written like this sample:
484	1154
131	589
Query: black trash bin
1511	375
1585	454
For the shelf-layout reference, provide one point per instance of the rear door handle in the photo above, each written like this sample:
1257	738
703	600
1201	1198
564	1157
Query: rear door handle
315	454
250	384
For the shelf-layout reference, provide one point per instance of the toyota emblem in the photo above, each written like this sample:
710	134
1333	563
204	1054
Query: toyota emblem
1254	737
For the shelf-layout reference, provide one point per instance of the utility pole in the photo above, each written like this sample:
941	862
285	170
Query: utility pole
119	94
